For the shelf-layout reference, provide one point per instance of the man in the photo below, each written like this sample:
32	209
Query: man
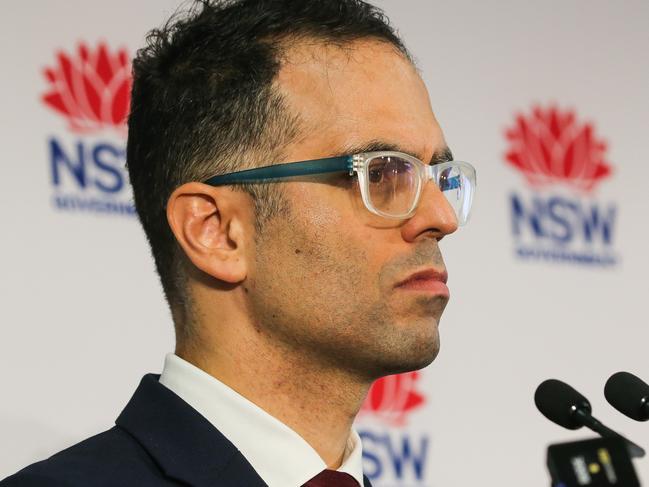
292	286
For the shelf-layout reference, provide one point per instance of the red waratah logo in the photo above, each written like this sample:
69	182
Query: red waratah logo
92	89
391	398
550	146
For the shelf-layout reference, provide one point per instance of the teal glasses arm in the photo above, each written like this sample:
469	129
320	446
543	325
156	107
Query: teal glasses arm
280	171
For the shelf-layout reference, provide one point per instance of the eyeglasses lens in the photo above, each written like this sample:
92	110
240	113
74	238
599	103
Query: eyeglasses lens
456	183
393	184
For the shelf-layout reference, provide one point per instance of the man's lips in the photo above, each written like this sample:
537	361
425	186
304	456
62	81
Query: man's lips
430	280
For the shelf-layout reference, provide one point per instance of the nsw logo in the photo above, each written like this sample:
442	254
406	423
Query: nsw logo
393	397
90	90
563	162
391	454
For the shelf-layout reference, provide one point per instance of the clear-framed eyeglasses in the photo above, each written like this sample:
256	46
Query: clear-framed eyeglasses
391	183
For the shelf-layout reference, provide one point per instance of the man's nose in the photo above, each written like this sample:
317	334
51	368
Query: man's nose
434	216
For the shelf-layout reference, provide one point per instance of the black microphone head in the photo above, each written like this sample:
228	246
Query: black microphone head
558	402
629	395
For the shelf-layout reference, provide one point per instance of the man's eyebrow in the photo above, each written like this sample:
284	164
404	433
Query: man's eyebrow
441	155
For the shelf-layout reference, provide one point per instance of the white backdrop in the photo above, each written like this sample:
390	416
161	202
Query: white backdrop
83	313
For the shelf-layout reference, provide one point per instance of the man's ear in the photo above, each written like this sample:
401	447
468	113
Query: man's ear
213	225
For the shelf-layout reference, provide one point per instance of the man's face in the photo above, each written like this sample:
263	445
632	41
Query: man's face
326	278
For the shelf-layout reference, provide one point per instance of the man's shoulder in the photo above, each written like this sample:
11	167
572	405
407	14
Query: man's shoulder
158	440
107	459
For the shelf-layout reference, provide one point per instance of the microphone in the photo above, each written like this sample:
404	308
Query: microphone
565	406
629	395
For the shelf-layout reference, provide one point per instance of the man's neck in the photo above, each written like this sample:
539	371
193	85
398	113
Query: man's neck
317	402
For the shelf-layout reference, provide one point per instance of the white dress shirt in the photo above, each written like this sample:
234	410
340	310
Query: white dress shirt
281	457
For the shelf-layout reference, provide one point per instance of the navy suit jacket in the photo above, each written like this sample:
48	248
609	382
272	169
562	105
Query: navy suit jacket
158	440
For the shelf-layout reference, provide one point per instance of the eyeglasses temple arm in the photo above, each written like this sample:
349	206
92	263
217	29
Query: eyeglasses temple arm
280	171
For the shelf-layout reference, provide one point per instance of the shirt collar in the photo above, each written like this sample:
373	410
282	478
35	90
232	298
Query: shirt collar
283	458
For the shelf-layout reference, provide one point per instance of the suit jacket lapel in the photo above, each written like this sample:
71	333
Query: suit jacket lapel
183	443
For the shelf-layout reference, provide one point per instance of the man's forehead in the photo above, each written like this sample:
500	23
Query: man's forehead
332	69
363	91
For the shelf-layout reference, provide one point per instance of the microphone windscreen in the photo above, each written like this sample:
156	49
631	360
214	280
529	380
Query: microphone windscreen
558	402
629	395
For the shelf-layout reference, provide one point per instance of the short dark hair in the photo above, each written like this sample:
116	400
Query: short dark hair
203	103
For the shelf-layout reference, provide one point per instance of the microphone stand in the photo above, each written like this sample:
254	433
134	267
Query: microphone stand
586	419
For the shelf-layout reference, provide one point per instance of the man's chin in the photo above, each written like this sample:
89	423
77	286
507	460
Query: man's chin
415	358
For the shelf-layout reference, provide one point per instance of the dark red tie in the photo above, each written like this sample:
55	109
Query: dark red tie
331	478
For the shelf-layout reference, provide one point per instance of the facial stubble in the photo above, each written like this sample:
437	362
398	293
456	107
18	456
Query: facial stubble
317	298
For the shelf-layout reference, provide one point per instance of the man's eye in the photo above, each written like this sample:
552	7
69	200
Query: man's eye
375	175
